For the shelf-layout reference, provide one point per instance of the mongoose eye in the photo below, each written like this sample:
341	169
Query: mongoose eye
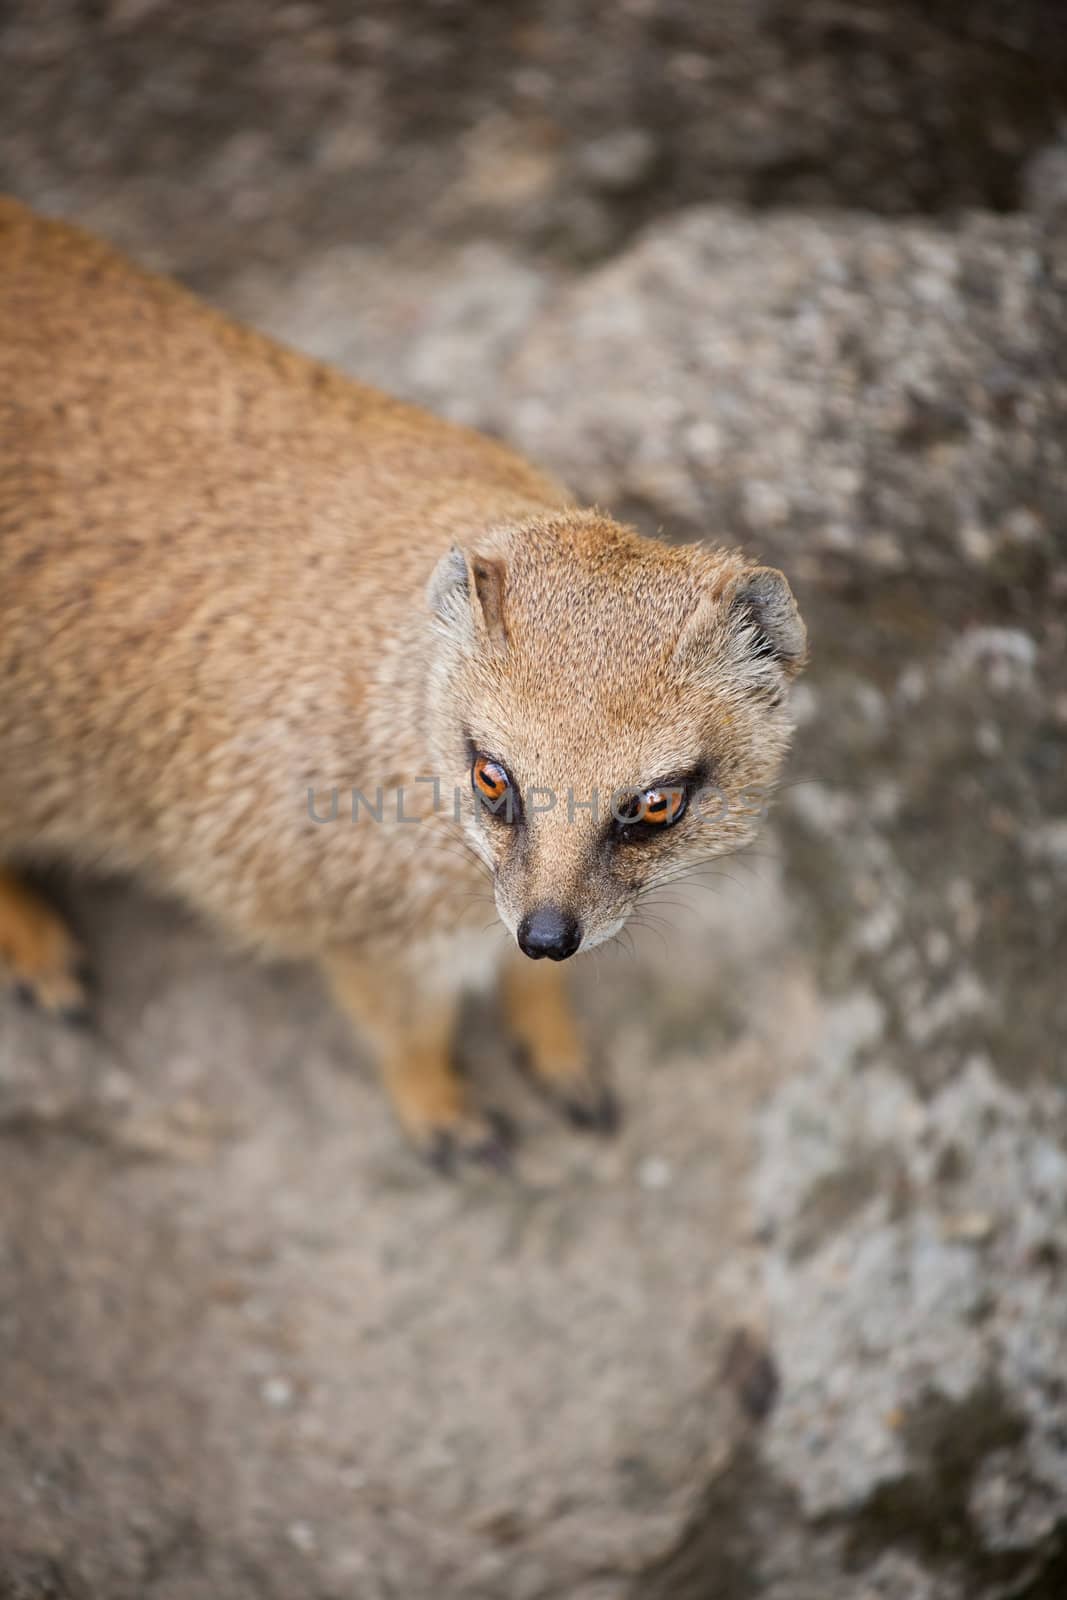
492	784
651	808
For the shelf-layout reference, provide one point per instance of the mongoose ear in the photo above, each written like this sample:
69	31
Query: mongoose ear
754	615
763	602
466	594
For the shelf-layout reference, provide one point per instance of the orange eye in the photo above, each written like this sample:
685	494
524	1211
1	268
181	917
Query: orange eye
657	808
491	782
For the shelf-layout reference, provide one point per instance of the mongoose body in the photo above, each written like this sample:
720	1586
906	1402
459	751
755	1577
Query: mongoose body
237	589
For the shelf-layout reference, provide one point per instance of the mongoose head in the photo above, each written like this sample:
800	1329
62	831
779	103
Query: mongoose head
614	707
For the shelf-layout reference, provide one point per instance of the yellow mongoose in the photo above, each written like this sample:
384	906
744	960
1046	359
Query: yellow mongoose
341	675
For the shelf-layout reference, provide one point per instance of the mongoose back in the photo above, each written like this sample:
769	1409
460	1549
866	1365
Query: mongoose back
337	673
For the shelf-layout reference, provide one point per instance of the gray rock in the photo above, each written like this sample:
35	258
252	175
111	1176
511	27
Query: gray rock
268	133
618	162
438	332
251	1348
853	397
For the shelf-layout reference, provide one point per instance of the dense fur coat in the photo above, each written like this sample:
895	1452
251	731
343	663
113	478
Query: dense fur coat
236	587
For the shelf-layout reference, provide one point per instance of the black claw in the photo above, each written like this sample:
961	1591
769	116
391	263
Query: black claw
601	1116
78	1016
25	996
503	1126
496	1151
599	1112
441	1154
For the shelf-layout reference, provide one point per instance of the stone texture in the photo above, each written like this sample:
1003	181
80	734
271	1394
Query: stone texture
852	395
250	1347
210	134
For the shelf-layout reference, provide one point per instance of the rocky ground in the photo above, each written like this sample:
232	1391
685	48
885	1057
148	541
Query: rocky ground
794	275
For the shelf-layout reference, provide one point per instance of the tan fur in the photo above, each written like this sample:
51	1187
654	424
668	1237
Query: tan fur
226	580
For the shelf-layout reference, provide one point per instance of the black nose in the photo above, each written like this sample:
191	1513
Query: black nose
549	932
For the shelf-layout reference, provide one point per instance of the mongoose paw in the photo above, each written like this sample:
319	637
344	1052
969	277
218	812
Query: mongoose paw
486	1138
595	1110
40	959
578	1091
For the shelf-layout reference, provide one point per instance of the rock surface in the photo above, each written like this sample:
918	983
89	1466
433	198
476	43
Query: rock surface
801	1333
866	399
207	136
250	1347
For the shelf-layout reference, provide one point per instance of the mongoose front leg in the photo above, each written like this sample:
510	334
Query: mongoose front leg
39	958
539	1014
414	1034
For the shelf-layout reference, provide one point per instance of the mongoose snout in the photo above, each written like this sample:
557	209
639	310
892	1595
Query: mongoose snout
234	578
551	932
